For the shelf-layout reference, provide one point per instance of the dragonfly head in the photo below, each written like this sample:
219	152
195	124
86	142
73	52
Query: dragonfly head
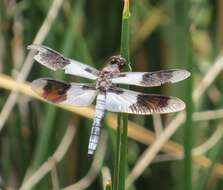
117	61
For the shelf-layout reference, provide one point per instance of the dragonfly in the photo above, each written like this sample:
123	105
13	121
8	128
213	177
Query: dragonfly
109	97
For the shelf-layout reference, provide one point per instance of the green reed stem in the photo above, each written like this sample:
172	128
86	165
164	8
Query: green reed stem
117	156
181	49
188	132
108	187
188	128
122	131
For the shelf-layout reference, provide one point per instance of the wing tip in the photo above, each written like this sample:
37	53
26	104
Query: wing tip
176	104
43	53
187	74
180	75
35	47
39	50
31	46
38	85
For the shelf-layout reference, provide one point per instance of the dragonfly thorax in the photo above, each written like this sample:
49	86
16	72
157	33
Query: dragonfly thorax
104	81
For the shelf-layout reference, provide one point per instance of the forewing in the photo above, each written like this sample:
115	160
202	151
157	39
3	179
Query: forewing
54	61
150	79
120	100
61	92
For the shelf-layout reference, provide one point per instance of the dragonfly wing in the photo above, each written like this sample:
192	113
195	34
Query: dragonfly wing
120	100
64	93
54	61
150	79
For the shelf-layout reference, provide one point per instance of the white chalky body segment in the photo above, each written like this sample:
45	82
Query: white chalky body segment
96	127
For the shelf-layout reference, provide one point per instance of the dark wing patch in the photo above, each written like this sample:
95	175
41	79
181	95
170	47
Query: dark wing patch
55	91
150	103
122	75
161	77
65	93
52	90
90	70
116	90
49	57
157	78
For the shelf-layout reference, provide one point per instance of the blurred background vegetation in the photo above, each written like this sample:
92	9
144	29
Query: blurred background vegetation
163	34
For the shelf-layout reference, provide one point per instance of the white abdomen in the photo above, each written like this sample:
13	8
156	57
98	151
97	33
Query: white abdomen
96	127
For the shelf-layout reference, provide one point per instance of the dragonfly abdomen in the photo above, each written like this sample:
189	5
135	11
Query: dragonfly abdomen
96	127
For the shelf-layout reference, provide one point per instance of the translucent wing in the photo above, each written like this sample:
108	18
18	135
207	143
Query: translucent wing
54	61
65	93
120	100
150	79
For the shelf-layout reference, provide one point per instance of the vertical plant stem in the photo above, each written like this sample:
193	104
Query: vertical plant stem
108	187
123	151
180	42
117	155
125	32
122	132
188	130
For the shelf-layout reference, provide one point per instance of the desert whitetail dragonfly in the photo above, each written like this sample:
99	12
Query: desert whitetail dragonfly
108	96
